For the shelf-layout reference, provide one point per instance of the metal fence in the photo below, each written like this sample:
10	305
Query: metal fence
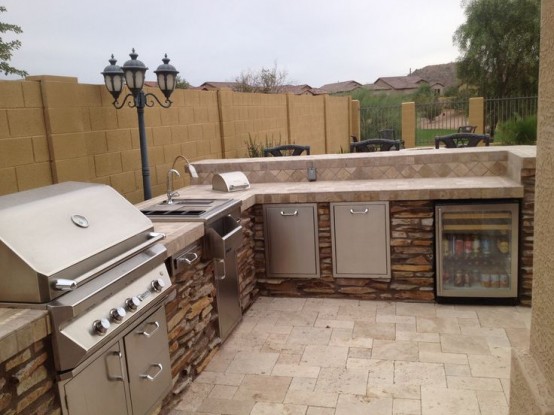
439	118
376	122
442	117
500	110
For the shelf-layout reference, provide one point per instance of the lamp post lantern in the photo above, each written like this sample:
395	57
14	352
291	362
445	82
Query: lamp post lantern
133	74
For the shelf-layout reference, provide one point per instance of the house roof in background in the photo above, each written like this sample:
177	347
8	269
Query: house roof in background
295	89
402	82
206	86
345	86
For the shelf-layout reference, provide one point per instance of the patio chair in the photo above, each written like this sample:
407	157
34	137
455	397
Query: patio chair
286	150
467	129
387	133
459	140
374	144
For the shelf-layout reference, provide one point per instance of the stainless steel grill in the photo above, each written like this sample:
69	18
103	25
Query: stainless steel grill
91	259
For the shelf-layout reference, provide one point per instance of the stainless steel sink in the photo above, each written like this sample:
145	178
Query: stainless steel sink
186	209
191	202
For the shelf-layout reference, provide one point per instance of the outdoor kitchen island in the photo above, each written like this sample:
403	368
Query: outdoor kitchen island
410	181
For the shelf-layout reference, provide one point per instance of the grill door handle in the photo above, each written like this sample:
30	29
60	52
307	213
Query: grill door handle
150	377
62	284
188	258
295	213
150	334
359	212
121	368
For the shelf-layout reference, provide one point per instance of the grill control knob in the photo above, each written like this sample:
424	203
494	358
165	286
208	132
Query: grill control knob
158	285
101	326
132	303
117	314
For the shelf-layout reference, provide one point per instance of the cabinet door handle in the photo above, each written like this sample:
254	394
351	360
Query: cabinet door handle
150	377
188	258
295	213
149	334
121	368
359	212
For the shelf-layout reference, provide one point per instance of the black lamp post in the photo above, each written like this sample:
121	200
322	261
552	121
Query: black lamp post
132	74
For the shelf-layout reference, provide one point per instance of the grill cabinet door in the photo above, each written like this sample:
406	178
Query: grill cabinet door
291	240
100	387
148	362
360	240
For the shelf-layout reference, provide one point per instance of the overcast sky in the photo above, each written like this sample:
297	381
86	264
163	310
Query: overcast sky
315	41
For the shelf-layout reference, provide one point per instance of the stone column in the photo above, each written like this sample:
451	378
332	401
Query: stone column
532	376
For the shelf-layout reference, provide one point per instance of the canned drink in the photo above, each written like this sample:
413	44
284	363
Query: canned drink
486	245
476	245
468	245
495	281
459	279
459	247
486	280
504	281
467	279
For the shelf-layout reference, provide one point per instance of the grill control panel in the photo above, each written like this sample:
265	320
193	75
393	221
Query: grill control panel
121	307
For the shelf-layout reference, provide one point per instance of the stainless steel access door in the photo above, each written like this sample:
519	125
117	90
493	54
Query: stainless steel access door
148	362
100	388
361	247
225	237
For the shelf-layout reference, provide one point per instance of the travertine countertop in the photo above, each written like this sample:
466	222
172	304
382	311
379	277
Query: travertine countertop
181	234
21	327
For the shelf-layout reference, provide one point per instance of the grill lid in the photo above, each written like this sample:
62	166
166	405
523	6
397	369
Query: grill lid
62	231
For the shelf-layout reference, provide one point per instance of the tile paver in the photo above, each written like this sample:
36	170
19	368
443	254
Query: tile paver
318	356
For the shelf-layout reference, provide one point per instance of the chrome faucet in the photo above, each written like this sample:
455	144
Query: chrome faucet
172	171
170	193
191	168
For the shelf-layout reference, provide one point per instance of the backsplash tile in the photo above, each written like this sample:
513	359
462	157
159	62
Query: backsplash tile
364	166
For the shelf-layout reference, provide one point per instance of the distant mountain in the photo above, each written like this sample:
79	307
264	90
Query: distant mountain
444	73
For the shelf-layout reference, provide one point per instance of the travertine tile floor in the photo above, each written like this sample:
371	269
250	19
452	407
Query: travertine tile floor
347	357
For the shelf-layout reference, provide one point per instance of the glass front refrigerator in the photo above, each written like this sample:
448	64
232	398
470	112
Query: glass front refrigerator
477	252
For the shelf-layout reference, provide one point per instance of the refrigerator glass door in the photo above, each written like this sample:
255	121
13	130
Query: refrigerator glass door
477	250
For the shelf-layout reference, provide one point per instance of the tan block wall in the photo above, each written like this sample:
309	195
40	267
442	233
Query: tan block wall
409	124
24	155
477	114
532	378
307	121
261	118
338	124
53	129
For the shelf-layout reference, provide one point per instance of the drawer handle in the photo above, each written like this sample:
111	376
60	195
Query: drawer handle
359	212
150	334
150	377
189	258
295	213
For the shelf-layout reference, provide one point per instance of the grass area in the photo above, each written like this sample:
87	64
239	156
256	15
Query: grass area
427	137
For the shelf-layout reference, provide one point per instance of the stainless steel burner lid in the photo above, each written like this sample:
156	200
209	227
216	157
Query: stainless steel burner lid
63	232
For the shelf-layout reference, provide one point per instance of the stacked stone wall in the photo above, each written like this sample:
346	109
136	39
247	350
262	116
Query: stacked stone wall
191	325
527	236
412	259
27	382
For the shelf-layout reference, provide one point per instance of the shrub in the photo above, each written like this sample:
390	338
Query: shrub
256	149
517	131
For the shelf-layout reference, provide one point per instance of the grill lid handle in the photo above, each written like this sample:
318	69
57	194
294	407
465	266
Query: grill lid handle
64	285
